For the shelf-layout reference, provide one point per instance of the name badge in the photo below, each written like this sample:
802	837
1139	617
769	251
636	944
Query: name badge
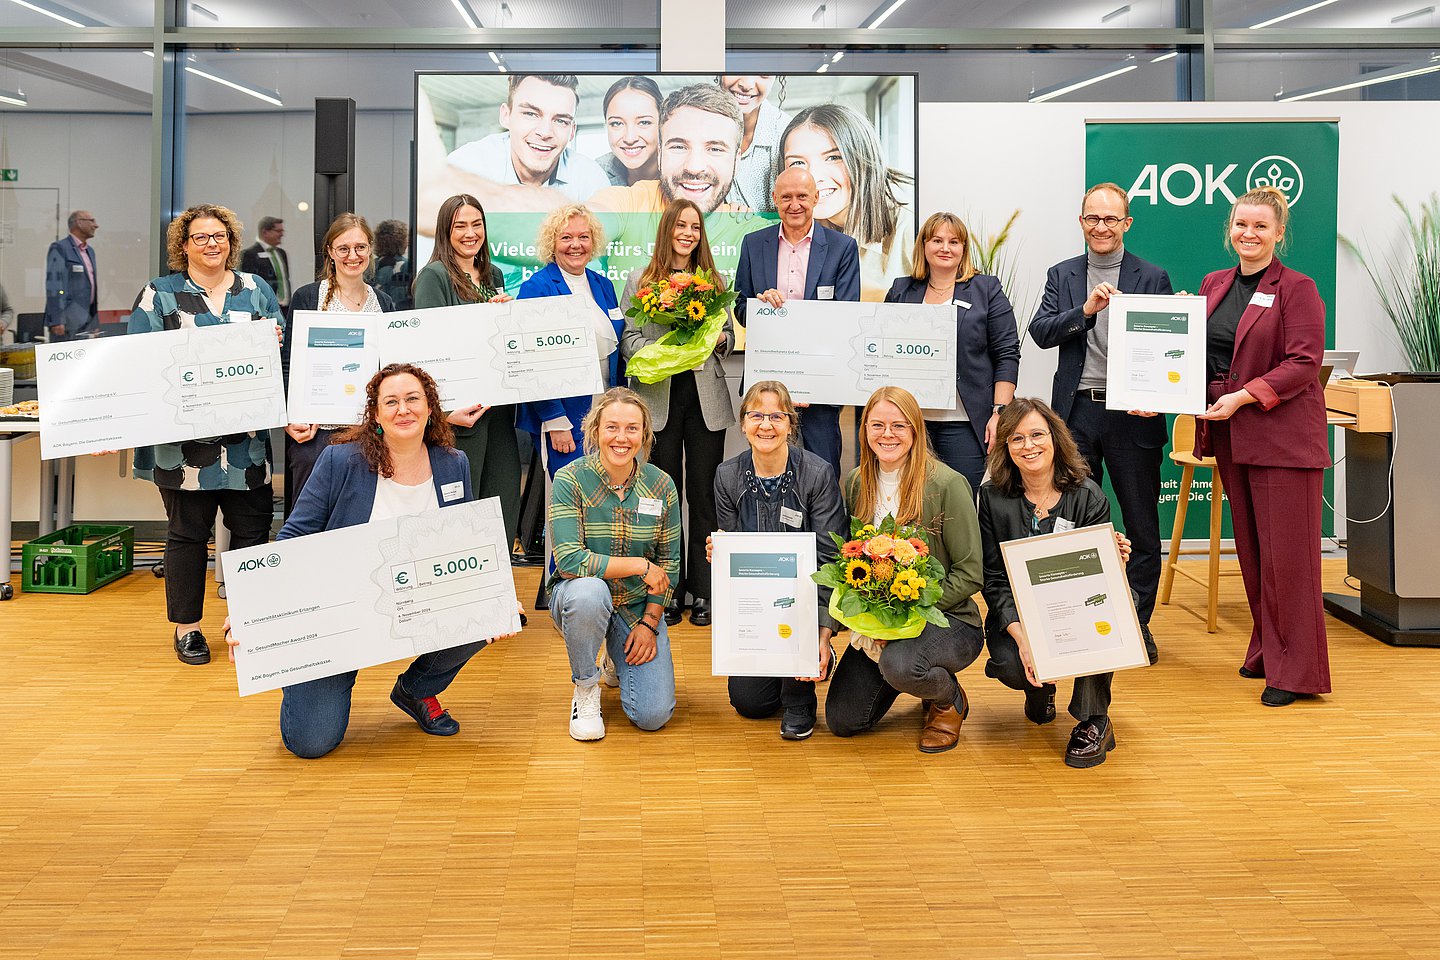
615	314
824	293
791	518
651	507
77	268
241	316
452	491
963	305
1262	299
1061	525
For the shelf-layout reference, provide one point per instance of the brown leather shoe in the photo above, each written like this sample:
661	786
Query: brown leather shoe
942	725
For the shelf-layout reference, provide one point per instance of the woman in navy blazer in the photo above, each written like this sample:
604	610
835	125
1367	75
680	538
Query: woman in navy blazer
987	355
568	239
400	459
1266	428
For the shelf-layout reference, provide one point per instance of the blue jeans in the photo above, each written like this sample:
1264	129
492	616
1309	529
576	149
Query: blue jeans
314	714
584	613
959	449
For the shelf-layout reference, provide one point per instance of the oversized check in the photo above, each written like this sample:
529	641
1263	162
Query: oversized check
491	353
162	387
767	623
830	351
315	606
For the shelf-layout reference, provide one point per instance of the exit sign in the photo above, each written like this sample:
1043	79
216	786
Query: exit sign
9	175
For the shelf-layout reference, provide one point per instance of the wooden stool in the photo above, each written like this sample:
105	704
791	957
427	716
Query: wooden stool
1182	445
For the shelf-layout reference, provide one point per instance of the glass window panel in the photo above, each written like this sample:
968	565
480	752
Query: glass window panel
442	14
941	14
1327	74
87	13
1336	14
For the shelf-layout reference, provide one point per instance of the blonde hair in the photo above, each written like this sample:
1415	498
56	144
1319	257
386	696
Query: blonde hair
590	429
1267	196
555	222
178	233
912	473
928	229
782	397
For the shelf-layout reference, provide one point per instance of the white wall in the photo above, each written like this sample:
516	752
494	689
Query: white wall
983	160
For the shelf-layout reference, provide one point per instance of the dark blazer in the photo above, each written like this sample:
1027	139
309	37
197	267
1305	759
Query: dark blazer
308	298
1061	322
253	260
1277	356
834	262
548	282
987	348
69	299
341	491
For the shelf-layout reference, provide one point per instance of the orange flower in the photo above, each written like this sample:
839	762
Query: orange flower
679	281
852	549
703	286
882	545
668	298
920	546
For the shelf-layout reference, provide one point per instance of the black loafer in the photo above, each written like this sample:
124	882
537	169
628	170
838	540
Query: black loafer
1275	697
1089	742
1249	674
1040	704
674	613
192	648
700	612
1151	651
797	723
426	711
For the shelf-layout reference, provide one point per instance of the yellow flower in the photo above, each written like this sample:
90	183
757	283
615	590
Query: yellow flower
696	310
866	532
857	572
903	590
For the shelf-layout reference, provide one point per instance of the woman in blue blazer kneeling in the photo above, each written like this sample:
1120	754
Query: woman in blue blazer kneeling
987	355
399	460
568	239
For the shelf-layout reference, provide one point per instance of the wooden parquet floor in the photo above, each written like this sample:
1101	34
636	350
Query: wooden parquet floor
150	812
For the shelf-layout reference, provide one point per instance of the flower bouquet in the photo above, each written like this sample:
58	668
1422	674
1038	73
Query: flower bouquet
693	306
885	581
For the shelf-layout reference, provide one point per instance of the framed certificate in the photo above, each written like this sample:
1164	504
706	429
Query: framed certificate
832	351
1074	602
1156	353
766	620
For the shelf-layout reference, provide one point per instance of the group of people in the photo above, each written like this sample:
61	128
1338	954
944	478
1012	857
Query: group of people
621	565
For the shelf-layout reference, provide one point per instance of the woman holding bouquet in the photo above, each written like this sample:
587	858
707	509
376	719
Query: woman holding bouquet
1039	483
684	385
776	487
899	477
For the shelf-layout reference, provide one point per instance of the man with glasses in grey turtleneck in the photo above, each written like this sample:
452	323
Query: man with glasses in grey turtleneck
1074	316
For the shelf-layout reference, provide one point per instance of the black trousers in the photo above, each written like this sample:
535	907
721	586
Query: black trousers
1089	698
493	449
760	697
690	453
1113	438
300	459
190	516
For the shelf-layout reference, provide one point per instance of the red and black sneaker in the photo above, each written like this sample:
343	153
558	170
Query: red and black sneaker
426	711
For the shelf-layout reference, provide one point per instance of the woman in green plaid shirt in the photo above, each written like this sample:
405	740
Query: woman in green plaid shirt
615	535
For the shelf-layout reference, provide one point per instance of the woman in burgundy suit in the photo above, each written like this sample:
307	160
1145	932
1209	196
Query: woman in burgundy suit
1266	428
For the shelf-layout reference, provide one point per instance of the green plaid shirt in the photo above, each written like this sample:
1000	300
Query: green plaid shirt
590	523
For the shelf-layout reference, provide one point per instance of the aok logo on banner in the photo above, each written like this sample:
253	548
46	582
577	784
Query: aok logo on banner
1182	184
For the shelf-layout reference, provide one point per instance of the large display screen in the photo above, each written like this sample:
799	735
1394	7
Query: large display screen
626	145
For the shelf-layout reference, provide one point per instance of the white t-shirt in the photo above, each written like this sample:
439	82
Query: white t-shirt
399	500
606	342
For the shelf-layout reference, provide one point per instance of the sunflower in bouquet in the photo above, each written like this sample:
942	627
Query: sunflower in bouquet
693	306
885	582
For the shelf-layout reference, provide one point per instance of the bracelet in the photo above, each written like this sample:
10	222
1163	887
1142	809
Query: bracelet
642	622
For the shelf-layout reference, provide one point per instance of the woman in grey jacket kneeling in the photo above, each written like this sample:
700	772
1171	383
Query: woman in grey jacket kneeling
776	487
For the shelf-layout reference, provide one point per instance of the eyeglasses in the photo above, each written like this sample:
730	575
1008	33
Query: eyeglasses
756	417
205	239
1092	221
899	429
1037	437
360	250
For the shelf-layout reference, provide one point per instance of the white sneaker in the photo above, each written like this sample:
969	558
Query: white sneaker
607	669
585	721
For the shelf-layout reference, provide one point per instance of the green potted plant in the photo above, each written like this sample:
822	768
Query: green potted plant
1408	282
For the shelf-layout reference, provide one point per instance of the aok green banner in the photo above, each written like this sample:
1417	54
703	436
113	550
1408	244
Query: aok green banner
1182	177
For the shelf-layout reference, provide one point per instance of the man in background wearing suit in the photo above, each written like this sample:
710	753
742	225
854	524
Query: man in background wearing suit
1074	315
266	260
72	295
800	260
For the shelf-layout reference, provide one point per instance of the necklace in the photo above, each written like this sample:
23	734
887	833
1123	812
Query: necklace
1042	508
357	303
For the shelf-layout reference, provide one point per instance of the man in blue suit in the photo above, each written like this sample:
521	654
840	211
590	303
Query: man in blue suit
800	260
72	295
1074	316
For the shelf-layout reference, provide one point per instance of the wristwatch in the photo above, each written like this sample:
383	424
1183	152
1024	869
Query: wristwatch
997	408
